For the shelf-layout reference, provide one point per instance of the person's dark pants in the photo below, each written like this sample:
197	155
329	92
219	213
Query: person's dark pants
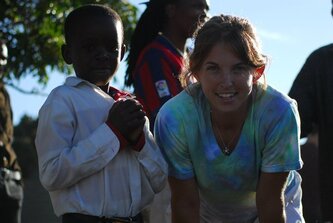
10	210
81	218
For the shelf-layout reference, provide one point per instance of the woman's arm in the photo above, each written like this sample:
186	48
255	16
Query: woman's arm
185	203
270	197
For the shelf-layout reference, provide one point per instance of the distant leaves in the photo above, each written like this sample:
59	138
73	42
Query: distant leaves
34	34
24	146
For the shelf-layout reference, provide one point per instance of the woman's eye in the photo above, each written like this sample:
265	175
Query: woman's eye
240	70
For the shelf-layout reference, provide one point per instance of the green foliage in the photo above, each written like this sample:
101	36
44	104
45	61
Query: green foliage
34	34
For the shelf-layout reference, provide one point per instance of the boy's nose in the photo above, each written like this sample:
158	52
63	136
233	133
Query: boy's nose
103	55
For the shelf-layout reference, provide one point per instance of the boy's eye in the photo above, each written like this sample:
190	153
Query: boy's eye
89	46
114	50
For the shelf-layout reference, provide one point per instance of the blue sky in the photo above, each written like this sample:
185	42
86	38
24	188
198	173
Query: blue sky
289	31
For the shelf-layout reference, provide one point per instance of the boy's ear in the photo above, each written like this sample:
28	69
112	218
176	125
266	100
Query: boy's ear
66	54
123	51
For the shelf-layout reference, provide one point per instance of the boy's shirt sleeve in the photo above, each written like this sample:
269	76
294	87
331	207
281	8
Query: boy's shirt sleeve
152	161
62	164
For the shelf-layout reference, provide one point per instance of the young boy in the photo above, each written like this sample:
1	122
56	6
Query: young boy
97	158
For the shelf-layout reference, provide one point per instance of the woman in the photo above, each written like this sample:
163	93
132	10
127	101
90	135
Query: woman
231	141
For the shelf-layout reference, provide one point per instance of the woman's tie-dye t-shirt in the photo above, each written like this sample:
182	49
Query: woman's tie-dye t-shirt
269	142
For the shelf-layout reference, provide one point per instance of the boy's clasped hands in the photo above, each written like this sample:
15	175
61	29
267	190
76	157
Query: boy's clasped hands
128	117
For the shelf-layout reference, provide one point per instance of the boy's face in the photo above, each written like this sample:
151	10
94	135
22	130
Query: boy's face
96	49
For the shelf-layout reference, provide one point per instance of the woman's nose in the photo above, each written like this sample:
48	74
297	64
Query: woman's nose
226	79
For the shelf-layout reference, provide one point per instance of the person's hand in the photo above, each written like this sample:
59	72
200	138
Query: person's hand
127	116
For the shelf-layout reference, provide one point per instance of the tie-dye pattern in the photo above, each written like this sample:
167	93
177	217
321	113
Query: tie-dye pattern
269	142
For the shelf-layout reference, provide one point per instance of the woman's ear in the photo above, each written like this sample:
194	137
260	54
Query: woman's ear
194	78
258	73
123	51
65	51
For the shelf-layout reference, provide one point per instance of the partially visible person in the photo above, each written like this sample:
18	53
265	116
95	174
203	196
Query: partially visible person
157	50
310	180
11	189
155	60
231	141
313	91
97	157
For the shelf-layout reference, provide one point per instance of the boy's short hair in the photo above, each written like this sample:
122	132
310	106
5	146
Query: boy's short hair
87	11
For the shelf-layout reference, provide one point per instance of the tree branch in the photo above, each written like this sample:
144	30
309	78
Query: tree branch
31	92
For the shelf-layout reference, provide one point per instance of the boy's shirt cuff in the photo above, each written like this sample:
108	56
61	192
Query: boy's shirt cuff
140	142
124	142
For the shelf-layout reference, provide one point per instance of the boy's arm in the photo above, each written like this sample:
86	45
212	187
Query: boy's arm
152	161
62	164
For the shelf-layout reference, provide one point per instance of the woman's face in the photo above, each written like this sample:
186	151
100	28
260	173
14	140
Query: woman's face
225	79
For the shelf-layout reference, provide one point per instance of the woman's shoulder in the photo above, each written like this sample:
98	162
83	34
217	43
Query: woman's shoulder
178	103
271	97
270	103
275	112
185	104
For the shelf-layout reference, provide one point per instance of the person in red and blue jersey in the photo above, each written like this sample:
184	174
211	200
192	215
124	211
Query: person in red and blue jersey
158	48
156	58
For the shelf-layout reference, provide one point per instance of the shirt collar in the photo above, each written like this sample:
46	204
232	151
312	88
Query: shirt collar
75	81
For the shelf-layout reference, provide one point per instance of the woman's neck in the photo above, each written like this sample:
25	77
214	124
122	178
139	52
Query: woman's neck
234	119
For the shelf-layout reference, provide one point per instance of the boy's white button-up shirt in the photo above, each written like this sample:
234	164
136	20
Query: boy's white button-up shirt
80	161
